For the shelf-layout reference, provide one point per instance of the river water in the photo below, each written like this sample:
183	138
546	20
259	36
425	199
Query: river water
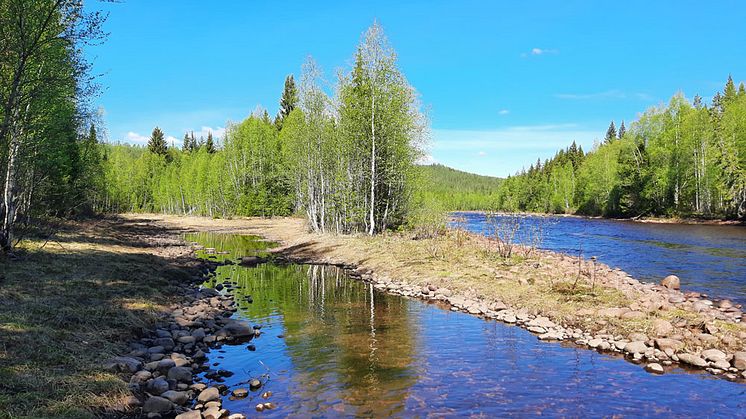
707	258
335	347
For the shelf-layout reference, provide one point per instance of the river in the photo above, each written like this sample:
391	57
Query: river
333	346
707	258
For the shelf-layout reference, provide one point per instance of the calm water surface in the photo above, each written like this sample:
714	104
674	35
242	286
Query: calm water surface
332	346
707	258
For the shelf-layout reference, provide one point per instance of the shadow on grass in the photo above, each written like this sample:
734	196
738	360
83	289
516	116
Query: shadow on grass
65	309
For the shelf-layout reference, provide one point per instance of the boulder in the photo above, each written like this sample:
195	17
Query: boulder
671	282
236	329
180	374
713	355
156	404
662	327
672	344
178	397
654	368
692	360
739	360
192	414
240	392
635	347
156	386
209	394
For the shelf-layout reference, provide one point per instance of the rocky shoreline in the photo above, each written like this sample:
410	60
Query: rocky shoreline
666	347
163	365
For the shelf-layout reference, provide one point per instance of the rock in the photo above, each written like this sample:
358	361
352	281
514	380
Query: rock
156	386
725	304
692	360
165	364
209	394
713	355
240	392
665	344
156	404
254	384
141	377
662	327
186	340
123	364
236	416
178	397
214	413
654	368
635	347
237	329
700	306
509	318
595	343
266	395
739	360
542	322
251	261
637	337
432	287
166	342
671	282
722	365
158	349
633	315
260	407
192	414
181	374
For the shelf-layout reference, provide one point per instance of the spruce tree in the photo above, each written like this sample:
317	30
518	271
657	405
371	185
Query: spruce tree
741	90
729	93
186	144
697	101
622	131
157	143
210	144
610	133
288	101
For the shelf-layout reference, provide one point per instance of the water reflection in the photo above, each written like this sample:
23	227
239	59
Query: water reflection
332	346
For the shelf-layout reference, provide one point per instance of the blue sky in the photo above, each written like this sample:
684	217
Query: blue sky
503	82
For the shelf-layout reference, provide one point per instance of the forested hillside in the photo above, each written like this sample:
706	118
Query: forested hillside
682	159
346	162
457	190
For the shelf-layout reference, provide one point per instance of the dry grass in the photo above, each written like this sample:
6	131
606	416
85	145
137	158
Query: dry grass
71	302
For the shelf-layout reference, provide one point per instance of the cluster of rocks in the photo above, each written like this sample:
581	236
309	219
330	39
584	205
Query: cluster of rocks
164	363
665	348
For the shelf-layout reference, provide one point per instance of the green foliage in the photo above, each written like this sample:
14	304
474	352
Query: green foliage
157	143
682	159
288	101
455	190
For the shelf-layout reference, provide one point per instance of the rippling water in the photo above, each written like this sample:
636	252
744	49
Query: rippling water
707	258
332	346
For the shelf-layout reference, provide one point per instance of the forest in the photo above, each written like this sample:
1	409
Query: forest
683	159
346	160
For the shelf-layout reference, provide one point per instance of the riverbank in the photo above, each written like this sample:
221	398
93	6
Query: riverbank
649	220
75	305
553	295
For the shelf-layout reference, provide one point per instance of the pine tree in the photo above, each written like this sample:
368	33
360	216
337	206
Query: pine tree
741	90
697	101
622	131
288	101
610	133
157	143
729	93
210	144
186	143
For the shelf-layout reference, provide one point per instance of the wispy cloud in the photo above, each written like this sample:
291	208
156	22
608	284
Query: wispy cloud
135	138
503	112
608	94
482	154
540	51
175	141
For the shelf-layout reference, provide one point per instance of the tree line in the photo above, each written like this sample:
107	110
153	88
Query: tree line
680	159
345	160
49	150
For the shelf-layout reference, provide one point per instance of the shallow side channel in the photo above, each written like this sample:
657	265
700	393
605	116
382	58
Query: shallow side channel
330	345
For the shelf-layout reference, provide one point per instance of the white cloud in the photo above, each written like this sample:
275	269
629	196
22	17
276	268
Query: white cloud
481	154
135	138
609	94
540	51
218	132
503	112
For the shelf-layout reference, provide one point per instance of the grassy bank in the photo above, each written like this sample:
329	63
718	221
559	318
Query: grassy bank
73	299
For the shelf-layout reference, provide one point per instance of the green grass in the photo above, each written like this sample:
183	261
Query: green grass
67	306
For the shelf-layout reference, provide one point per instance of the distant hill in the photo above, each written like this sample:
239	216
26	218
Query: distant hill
457	190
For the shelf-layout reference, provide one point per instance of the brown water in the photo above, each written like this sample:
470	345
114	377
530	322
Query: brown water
333	346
